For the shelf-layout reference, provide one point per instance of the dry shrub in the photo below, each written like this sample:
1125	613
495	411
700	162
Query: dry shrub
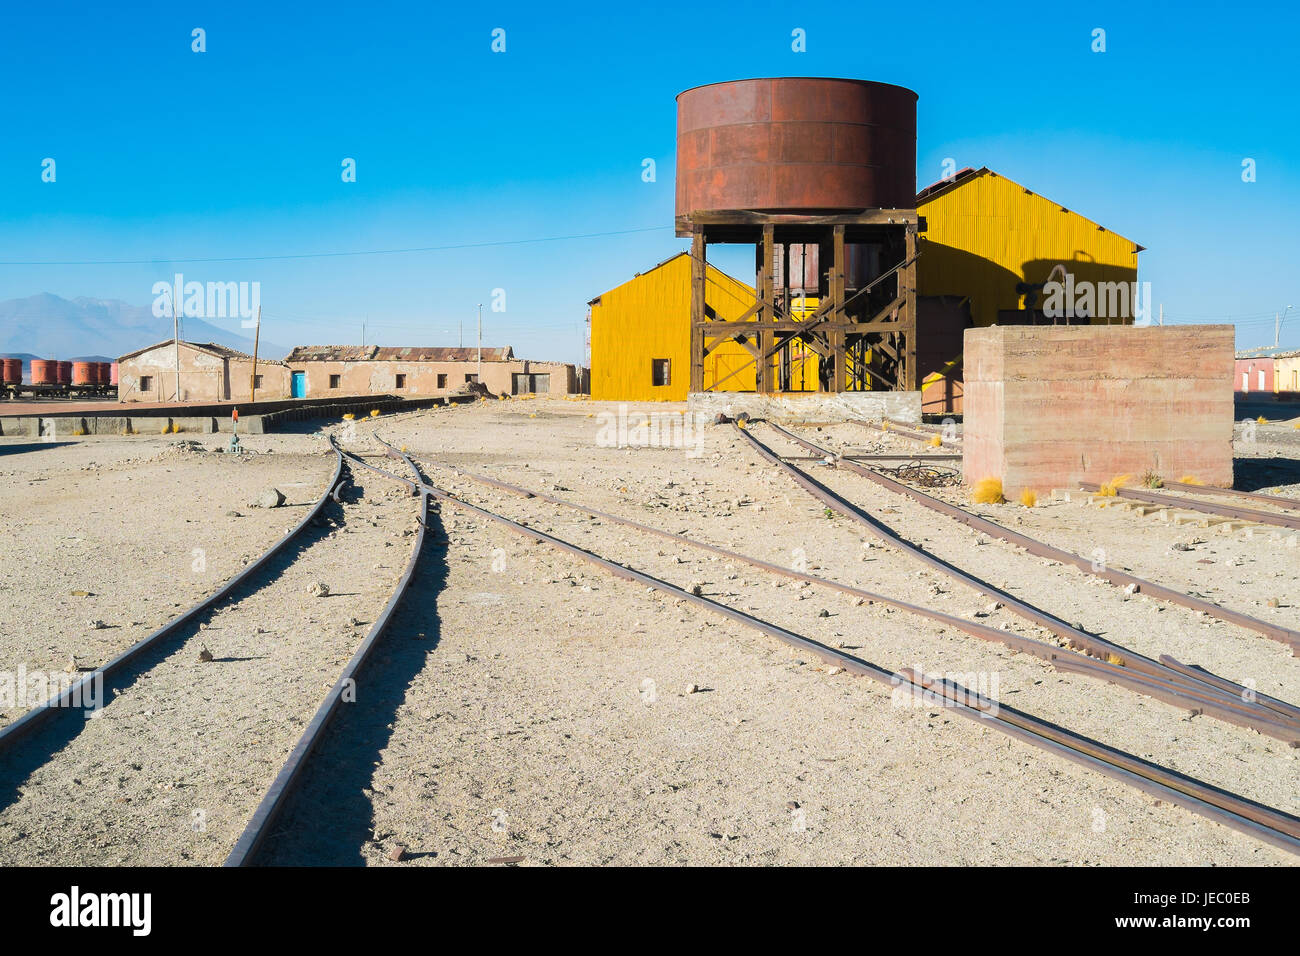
935	441
1028	497
988	491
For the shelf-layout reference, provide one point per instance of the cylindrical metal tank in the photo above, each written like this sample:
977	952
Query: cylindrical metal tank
796	144
45	372
112	373
102	373
12	371
65	373
84	373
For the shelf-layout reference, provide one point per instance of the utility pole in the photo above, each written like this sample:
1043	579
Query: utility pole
176	342
1162	313
480	343
460	333
363	333
257	337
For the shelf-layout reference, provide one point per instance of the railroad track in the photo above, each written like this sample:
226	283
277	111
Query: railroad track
1291	522
179	736
262	823
1268	824
1280	500
1038	548
891	427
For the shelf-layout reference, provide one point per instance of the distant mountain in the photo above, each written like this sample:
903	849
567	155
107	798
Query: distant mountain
48	326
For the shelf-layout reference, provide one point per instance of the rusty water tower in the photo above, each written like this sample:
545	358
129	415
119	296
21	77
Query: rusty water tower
819	175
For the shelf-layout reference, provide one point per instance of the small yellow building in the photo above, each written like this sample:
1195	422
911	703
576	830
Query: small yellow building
640	337
998	243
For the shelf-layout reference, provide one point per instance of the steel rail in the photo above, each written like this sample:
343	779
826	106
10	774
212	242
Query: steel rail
1189	695
1279	500
896	429
1268	712
25	724
1291	522
1043	550
1264	823
276	797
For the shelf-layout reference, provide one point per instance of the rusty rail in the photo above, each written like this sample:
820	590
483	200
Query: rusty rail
276	797
1262	822
1291	522
1267	711
1218	702
1280	500
25	724
896	429
1043	550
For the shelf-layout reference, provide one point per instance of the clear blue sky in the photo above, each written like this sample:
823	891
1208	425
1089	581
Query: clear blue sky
165	154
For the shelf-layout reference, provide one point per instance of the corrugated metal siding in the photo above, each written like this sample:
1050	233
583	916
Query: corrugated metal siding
649	317
987	234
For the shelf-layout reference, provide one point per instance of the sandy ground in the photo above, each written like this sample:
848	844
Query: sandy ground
527	704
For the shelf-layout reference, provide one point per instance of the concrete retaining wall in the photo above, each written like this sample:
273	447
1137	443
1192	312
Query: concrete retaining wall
1050	406
813	407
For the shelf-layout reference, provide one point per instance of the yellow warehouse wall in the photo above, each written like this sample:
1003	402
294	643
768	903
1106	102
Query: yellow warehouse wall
649	317
988	233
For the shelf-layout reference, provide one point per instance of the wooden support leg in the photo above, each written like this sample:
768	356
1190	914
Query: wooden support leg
697	310
766	257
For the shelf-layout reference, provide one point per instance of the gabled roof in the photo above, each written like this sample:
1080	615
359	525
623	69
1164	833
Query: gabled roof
660	265
375	353
969	174
210	348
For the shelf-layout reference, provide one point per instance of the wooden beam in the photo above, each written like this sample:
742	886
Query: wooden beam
768	314
698	266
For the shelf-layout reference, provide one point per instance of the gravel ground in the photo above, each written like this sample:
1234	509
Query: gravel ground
535	736
177	760
526	704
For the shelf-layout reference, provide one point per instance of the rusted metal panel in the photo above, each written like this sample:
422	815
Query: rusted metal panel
795	143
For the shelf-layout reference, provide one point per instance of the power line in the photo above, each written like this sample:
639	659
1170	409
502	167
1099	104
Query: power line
329	255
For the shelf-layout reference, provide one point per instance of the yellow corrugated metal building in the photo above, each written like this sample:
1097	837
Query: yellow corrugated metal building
987	239
646	322
985	235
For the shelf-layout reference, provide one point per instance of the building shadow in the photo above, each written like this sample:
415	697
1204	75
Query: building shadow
1253	474
328	817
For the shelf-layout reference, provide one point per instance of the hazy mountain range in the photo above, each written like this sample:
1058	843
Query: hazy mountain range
49	326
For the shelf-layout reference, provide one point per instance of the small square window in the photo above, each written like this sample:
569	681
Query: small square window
146	383
660	372
471	377
401	380
336	381
442	380
257	381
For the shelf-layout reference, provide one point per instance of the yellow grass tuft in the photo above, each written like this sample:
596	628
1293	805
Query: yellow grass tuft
935	441
1028	497
884	425
1113	658
1111	488
988	491
1261	420
1190	480
374	413
348	417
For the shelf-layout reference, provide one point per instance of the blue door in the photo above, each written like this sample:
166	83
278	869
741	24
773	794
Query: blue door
299	385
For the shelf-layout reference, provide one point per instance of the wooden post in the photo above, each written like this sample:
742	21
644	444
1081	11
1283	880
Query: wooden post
257	337
698	267
909	380
839	317
766	258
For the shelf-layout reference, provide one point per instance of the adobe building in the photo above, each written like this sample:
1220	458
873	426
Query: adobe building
208	373
319	371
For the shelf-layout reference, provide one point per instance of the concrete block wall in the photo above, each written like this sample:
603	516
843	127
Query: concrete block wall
1049	406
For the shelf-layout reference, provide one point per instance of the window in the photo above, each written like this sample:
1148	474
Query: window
471	377
257	381
401	380
442	379
335	381
146	383
1245	381
1261	380
660	372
